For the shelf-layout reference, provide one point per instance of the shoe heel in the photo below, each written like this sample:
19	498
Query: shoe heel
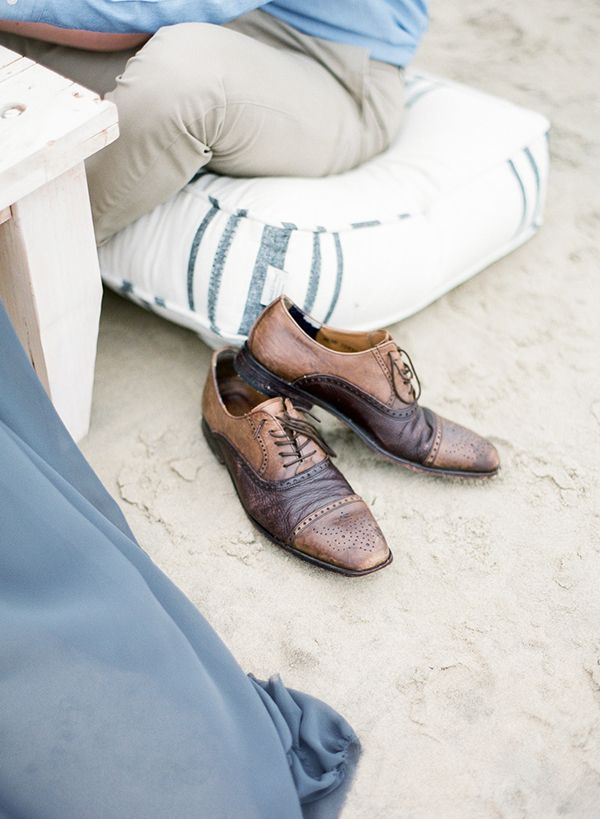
212	442
266	382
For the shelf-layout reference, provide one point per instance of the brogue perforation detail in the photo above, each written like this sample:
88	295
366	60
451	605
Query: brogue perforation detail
256	430
436	445
277	486
323	511
338	382
379	358
358	535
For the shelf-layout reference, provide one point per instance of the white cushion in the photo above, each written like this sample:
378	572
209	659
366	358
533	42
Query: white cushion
463	185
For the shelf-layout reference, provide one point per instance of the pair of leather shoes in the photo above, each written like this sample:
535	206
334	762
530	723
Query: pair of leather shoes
280	464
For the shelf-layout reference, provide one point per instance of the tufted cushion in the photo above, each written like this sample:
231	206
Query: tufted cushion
463	185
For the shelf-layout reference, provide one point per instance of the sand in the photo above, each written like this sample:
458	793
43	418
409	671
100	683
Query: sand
470	667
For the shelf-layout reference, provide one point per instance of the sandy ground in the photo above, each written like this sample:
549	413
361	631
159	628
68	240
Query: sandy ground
471	667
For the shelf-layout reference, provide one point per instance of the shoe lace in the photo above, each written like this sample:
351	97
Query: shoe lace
292	430
406	372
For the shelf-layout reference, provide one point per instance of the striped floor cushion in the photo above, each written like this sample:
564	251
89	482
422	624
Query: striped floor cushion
463	185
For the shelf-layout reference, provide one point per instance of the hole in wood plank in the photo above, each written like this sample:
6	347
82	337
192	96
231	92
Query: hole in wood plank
12	110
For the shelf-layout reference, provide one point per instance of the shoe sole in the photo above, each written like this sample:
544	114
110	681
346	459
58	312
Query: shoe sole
215	447
267	382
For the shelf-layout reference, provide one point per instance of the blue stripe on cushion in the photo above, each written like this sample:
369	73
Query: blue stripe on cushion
536	173
216	273
209	216
315	271
410	101
197	176
372	223
517	176
273	248
414	79
338	278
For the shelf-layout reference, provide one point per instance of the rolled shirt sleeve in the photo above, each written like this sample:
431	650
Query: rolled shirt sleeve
123	16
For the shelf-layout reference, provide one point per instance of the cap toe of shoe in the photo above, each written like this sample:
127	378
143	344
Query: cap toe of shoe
462	450
346	536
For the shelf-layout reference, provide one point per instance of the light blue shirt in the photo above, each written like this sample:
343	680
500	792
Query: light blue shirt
390	29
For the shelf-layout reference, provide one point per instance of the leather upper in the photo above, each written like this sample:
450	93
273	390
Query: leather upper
367	379
286	480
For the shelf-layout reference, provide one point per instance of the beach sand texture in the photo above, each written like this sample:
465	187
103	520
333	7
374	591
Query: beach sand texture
471	667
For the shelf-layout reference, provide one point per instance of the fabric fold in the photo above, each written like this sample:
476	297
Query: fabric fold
116	696
320	745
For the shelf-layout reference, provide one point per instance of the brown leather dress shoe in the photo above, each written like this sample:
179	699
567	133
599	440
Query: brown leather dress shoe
367	381
281	469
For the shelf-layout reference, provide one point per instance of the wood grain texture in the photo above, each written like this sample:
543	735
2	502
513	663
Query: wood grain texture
50	283
47	124
49	274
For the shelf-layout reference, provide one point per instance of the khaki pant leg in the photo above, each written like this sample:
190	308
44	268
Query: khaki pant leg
377	88
198	94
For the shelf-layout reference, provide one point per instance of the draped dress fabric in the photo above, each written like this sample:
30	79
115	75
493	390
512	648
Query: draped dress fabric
117	699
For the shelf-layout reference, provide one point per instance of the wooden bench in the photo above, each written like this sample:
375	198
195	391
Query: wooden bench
49	275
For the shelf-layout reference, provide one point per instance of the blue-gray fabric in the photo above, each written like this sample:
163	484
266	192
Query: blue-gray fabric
390	29
117	699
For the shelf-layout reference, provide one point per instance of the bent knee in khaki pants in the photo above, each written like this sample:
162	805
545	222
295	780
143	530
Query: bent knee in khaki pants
252	98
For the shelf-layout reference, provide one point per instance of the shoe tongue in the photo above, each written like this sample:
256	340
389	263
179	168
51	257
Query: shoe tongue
278	406
275	406
380	338
388	345
291	409
272	406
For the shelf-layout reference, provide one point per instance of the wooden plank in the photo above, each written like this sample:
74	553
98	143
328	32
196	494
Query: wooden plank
47	124
50	283
38	106
15	67
16	292
49	275
35	171
7	56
